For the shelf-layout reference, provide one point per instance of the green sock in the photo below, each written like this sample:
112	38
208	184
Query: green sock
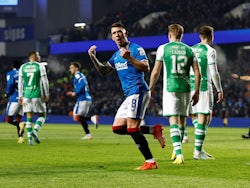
176	138
200	132
29	128
195	122
38	124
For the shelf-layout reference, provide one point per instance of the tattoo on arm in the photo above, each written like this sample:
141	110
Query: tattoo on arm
100	67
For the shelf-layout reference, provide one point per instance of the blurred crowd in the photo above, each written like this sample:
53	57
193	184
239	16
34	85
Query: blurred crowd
106	91
107	94
190	14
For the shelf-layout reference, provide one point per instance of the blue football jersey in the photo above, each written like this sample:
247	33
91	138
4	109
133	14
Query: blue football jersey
81	87
12	85
132	80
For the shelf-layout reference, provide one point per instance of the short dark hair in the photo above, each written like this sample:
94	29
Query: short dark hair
16	64
206	31
117	24
76	64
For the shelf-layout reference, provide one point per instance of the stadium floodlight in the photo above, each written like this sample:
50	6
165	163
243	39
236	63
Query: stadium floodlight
82	25
246	47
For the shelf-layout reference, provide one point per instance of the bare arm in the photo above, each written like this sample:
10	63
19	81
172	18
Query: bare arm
20	89
244	78
216	81
155	74
195	97
45	85
101	68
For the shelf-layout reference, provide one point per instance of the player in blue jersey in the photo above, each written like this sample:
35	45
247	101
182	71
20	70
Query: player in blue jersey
130	62
14	110
84	101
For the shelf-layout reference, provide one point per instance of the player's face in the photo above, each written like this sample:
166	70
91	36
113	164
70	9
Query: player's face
72	69
119	35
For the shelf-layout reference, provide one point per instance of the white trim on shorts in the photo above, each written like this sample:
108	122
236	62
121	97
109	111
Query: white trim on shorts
134	106
36	105
205	103
14	108
175	103
81	108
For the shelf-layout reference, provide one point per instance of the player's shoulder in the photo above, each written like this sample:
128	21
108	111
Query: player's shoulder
210	48
163	45
79	75
9	73
12	72
204	46
134	45
29	63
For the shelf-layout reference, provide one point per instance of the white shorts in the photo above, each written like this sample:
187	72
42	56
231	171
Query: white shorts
175	103
81	108
134	106
36	105
205	103
14	108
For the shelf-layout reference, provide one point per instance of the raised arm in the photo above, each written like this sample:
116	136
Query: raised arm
100	67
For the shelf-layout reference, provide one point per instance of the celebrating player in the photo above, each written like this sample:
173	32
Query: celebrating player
130	62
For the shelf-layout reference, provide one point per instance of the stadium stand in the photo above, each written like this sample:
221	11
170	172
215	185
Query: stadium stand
191	14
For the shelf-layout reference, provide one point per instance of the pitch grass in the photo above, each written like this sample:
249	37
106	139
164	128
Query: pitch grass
63	160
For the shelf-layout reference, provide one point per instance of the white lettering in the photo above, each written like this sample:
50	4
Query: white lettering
13	34
121	66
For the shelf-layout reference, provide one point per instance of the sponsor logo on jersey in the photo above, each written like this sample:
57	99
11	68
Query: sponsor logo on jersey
121	66
30	68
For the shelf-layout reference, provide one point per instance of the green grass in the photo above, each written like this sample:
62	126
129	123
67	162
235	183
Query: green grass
63	160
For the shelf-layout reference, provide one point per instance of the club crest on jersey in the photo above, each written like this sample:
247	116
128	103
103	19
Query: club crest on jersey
141	51
121	66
